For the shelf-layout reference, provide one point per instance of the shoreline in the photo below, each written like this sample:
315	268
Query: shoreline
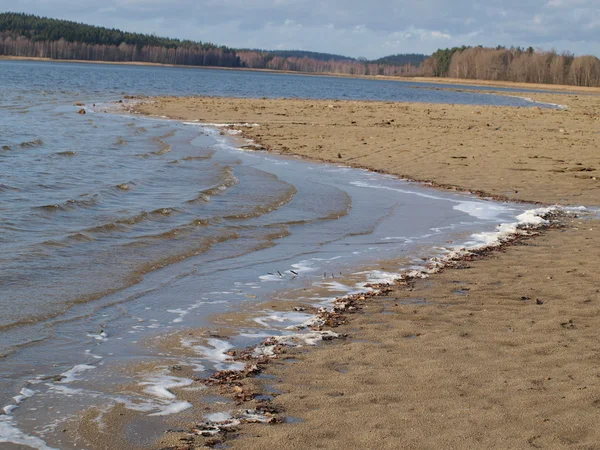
294	381
425	80
327	325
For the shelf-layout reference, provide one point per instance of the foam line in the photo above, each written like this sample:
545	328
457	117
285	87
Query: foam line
160	385
215	352
72	374
9	433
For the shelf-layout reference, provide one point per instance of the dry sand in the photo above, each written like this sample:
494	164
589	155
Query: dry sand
500	354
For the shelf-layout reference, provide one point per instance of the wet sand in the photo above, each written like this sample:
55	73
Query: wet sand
500	352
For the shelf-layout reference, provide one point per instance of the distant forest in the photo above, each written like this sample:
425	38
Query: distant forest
302	54
402	59
513	64
27	35
40	37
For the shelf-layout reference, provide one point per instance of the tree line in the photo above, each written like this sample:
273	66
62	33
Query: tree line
27	35
38	28
63	49
513	64
271	61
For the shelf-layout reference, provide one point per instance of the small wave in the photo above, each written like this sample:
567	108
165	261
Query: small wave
29	144
199	222
66	153
120	141
285	197
54	244
52	208
164	211
123	187
68	240
198	247
179	231
120	224
228	180
6	187
70	204
81	237
168	135
196	158
86	202
6	147
164	147
134	219
105	228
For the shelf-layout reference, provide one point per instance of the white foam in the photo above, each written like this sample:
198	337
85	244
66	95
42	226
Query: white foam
530	218
253	416
180	312
294	340
184	312
139	406
215	353
160	385
336	286
530	100
89	353
63	390
270	277
25	393
303	266
379	277
173	408
287	317
18	399
222	125
482	210
9	433
256	335
402	191
218	417
72	374
8	409
102	336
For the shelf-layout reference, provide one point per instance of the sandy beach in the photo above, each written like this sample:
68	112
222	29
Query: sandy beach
528	154
499	352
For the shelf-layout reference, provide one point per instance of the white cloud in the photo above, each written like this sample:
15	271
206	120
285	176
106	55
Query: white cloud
351	27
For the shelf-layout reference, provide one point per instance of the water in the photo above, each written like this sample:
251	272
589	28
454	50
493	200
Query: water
115	229
94	81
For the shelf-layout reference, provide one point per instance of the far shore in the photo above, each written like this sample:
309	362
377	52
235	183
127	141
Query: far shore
428	80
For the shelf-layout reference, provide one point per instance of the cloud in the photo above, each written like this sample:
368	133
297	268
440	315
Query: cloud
351	27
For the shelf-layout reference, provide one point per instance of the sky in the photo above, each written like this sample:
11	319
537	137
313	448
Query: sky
357	28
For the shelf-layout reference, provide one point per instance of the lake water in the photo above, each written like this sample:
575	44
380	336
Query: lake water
117	228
